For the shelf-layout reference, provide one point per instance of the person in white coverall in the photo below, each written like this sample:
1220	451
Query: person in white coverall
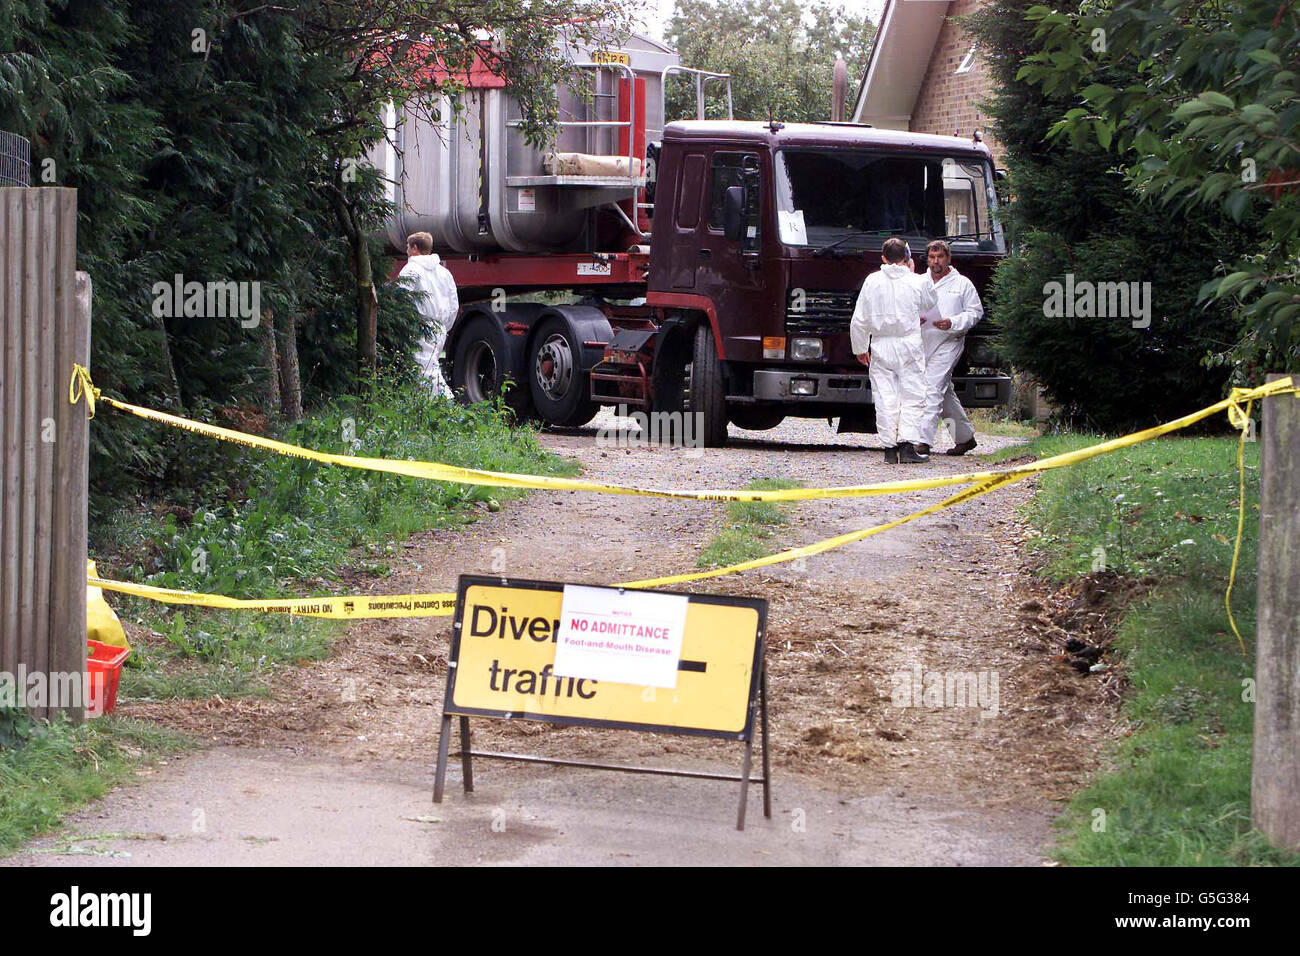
435	298
886	337
943	331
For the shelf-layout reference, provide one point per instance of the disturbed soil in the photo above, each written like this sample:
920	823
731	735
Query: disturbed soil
948	594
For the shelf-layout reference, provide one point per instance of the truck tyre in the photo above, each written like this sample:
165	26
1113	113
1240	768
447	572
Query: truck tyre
708	394
480	368
560	387
756	419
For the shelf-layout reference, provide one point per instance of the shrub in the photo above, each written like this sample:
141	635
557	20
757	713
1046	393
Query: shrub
1071	212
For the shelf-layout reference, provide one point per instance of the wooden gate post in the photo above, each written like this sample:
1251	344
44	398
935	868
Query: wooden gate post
1275	771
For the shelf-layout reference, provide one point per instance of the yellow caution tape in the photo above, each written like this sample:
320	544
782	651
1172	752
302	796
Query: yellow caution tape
82	384
438	605
343	607
430	605
436	471
828	544
1241	420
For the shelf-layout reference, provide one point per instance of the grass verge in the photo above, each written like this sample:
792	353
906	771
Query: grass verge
248	523
47	769
749	528
1178	792
988	423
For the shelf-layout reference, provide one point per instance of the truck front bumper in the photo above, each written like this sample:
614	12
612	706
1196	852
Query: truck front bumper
837	388
829	388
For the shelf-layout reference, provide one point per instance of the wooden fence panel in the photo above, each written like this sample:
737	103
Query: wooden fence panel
45	318
11	449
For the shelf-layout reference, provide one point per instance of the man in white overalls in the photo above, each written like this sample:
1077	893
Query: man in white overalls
436	300
885	332
943	332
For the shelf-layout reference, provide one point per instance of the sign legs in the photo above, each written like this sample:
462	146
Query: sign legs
466	757
467	754
767	766
749	754
440	774
744	782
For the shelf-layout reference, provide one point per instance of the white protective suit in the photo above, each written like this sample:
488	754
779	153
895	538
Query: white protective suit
439	304
960	303
887	321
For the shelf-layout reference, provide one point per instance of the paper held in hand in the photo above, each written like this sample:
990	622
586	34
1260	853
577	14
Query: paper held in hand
625	637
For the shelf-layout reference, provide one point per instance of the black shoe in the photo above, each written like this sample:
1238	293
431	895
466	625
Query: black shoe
907	453
891	455
962	448
922	448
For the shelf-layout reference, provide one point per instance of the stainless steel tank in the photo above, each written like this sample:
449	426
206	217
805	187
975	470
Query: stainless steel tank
461	170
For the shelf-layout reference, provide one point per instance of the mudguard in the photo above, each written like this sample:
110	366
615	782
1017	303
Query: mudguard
588	324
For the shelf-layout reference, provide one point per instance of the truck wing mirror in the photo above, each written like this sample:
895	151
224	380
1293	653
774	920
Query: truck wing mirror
733	213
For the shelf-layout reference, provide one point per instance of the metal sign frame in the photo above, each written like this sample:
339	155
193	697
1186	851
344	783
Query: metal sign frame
756	707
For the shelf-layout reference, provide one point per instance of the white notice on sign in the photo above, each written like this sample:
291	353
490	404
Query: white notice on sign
527	200
629	637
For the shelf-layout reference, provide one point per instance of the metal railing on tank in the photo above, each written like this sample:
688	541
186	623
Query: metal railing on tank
15	160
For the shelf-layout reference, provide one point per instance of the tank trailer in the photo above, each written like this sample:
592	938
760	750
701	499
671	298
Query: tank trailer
710	266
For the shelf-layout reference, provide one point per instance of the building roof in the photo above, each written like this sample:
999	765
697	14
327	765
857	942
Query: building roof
899	60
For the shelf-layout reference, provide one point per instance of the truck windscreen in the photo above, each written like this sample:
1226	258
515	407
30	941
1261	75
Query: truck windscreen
855	199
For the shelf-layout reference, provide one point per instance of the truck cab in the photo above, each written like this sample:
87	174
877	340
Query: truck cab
810	207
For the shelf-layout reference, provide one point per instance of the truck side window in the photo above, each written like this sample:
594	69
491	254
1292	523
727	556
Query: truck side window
692	179
727	172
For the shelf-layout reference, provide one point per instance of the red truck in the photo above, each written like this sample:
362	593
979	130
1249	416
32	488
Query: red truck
710	266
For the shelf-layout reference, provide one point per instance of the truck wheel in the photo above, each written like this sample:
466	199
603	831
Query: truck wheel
756	419
481	365
708	396
559	385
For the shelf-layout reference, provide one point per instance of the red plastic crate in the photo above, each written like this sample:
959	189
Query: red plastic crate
103	671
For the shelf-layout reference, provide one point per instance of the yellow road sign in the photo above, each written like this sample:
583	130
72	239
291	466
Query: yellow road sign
503	655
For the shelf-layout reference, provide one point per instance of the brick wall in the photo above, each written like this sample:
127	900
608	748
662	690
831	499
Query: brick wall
947	101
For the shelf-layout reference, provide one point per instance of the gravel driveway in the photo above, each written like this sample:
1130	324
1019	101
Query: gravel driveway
337	766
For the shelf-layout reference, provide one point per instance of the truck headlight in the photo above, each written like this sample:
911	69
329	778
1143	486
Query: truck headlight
806	349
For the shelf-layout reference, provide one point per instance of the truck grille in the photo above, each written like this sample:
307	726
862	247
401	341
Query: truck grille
822	311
